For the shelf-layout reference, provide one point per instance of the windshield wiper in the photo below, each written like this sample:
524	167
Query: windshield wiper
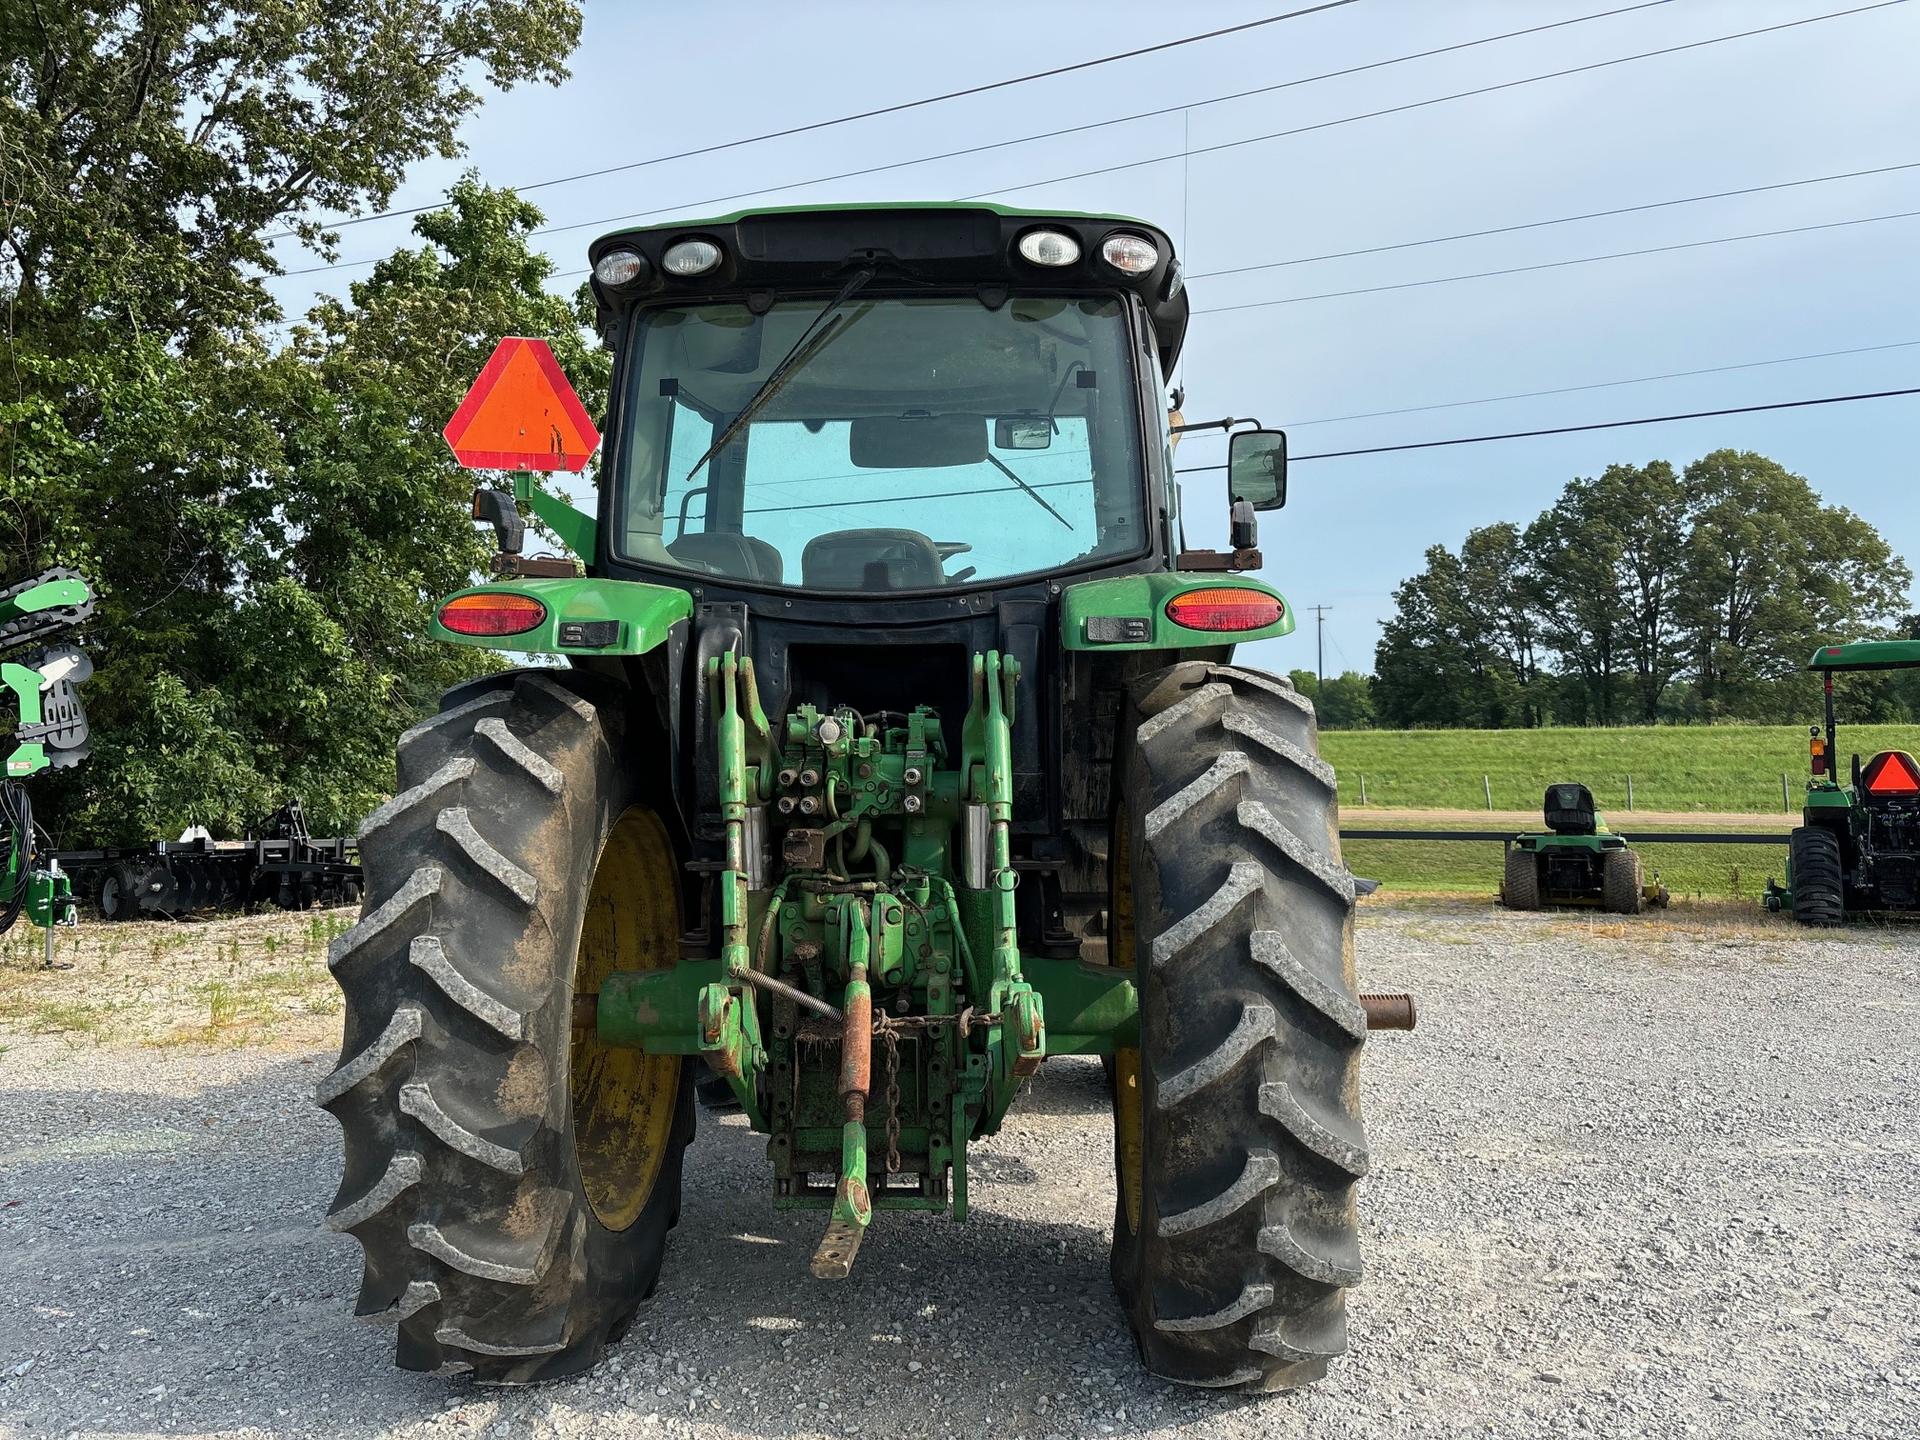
812	338
1038	499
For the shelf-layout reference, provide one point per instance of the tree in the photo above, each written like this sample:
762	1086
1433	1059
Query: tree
1770	573
150	435
1343	702
1461	648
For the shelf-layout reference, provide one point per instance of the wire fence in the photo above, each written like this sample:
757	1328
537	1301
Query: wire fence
1624	792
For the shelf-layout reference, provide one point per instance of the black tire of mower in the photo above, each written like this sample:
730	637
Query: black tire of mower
1819	877
1520	885
1250	1035
461	1180
1622	882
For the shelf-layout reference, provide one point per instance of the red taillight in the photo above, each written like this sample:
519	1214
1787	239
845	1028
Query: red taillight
1892	773
1224	609
491	613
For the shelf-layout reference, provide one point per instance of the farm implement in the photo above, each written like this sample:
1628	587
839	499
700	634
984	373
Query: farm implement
1576	861
898	745
41	673
1856	850
281	865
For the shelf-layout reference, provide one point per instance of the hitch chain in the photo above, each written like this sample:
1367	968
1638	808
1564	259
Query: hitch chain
892	1040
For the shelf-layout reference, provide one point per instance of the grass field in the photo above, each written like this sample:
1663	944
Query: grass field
1674	767
1691	872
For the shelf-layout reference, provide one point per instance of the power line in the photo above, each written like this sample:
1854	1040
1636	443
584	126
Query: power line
1574	429
693	205
1598	385
1560	220
867	114
1557	264
1437	100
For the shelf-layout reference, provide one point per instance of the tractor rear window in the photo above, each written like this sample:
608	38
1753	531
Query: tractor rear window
881	444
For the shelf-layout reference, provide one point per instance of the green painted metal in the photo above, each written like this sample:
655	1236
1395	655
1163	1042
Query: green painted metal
644	614
59	593
30	756
578	531
1145	597
1091	1009
1594	844
872	911
1867	655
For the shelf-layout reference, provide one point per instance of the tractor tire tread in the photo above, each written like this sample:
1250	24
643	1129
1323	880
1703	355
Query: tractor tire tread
1251	1030
1819	876
460	1180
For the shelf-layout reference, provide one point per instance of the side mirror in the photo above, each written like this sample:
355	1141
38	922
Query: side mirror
1257	468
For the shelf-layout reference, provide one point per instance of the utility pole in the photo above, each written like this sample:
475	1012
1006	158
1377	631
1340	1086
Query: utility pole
1320	644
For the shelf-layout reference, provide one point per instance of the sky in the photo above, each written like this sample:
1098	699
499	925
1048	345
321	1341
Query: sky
1818	100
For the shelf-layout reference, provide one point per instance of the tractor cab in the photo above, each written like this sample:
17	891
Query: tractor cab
1857	848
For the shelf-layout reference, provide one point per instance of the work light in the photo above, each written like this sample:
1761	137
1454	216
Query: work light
1049	247
690	257
1130	254
620	267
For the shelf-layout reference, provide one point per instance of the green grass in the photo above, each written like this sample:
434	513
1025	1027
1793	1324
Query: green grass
1712	872
1674	767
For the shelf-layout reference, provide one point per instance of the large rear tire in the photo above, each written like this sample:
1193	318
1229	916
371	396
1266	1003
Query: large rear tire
1520	885
1237	1121
1622	882
510	1180
1818	876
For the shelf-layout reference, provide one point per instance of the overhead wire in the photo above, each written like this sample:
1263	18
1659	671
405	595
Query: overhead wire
1557	220
1593	385
1435	100
895	109
1576	429
689	205
1558	264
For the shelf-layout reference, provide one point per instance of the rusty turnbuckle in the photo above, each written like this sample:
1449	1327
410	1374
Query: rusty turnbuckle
852	1204
1389	1011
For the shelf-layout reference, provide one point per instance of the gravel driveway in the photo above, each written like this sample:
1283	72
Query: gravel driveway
1648	1179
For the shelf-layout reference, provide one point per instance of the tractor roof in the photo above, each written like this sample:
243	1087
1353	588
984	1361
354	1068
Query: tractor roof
946	242
1868	655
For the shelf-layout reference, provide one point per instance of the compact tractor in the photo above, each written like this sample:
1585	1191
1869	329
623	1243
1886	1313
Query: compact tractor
896	744
1577	861
1856	849
41	671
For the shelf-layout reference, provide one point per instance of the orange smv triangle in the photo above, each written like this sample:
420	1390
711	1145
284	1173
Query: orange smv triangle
1892	773
521	414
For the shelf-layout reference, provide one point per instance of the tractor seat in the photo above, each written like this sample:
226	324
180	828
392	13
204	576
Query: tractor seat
869	560
1569	810
740	556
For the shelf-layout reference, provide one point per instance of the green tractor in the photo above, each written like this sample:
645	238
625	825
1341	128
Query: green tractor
1857	847
41	670
897	745
1577	861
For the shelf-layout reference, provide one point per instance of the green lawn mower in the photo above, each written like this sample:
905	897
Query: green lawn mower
896	743
1856	850
41	672
1577	861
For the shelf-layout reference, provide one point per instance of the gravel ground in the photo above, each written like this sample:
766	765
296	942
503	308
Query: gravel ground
1641	1180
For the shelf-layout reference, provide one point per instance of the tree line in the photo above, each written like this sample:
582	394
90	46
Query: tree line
1645	595
265	508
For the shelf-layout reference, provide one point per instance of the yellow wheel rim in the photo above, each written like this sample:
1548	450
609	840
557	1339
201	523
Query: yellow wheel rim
624	1100
1129	1135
